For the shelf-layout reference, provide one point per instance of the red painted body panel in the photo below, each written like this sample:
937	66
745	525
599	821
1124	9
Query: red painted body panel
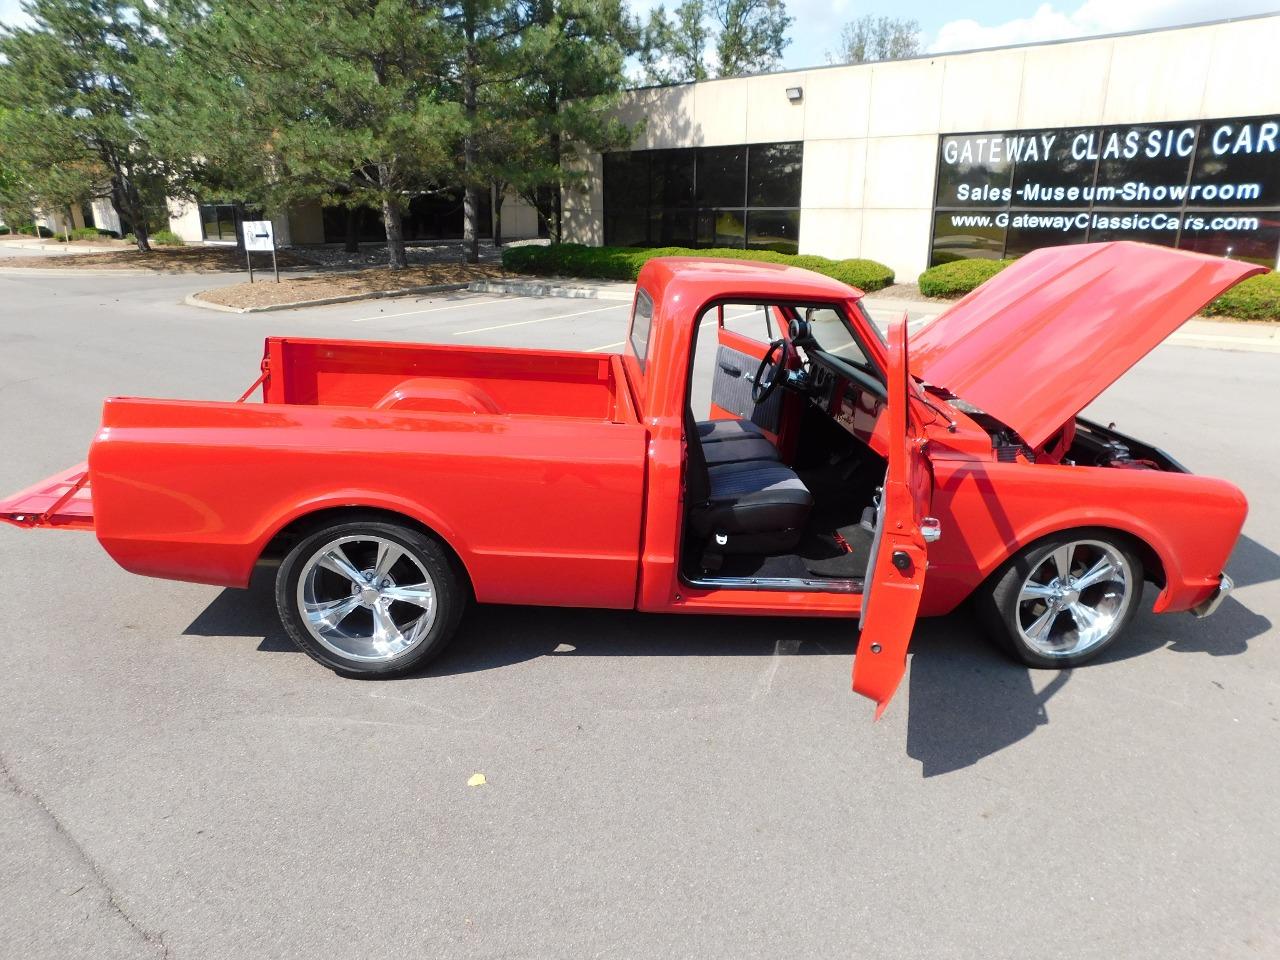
1039	341
61	501
894	588
540	507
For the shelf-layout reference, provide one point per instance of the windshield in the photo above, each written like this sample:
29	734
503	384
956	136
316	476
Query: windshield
833	336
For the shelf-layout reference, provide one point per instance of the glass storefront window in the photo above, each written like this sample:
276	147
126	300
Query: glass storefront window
776	230
737	196
1211	185
773	174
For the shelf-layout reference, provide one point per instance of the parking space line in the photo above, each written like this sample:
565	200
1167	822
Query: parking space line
452	306
525	323
607	346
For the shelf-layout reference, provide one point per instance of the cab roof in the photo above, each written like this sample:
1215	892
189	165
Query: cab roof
707	278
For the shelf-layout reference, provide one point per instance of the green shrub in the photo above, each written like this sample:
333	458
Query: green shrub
130	238
1257	298
959	276
166	238
624	263
84	233
4	230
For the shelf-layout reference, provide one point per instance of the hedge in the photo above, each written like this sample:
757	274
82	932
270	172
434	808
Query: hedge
1257	298
959	276
624	263
167	238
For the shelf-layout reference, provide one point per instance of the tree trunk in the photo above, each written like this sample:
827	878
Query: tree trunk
498	190
351	238
470	151
126	200
391	220
557	200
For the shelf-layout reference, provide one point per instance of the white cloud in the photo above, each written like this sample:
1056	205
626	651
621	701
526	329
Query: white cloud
1091	18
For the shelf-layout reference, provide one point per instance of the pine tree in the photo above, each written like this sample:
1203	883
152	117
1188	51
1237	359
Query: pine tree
71	127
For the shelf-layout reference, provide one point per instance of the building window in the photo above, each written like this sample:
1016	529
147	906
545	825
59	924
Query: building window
219	221
745	196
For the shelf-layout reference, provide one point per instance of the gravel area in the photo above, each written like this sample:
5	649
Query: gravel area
301	289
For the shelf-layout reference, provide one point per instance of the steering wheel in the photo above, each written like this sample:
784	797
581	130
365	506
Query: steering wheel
771	372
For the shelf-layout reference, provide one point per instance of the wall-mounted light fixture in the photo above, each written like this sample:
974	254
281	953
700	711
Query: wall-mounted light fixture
795	94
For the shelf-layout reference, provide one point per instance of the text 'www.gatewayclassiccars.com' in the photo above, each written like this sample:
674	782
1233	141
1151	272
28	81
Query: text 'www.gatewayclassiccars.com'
1066	222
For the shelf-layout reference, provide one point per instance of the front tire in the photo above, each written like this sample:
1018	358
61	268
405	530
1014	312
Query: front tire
368	598
1063	600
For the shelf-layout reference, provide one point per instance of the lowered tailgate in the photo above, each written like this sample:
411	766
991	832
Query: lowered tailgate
62	500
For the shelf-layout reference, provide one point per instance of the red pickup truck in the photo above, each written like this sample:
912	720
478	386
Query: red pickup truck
832	475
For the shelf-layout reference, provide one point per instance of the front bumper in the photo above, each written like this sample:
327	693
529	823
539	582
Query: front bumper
1210	605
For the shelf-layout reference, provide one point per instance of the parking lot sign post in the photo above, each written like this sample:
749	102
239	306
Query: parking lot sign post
258	236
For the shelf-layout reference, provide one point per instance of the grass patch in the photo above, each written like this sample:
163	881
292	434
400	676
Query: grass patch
624	263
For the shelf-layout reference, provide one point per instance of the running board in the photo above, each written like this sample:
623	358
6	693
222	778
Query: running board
779	583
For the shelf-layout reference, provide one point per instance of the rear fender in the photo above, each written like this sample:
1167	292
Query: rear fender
367	500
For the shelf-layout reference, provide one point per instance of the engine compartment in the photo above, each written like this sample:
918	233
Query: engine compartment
1094	445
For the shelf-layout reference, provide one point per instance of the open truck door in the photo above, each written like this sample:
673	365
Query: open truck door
896	569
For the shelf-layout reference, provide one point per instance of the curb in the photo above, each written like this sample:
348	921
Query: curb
193	300
547	288
89	272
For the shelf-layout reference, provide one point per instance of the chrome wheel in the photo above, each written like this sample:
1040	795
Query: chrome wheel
366	598
1075	599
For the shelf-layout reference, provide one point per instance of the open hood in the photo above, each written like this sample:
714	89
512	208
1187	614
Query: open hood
1035	344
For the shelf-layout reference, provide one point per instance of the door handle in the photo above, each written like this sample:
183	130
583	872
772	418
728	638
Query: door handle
731	370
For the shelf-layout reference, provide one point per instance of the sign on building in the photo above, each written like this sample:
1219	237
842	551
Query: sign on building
1211	186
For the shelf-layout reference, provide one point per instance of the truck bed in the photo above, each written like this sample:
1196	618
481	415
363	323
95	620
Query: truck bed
484	381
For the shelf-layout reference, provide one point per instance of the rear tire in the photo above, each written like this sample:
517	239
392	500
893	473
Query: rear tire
369	598
1063	600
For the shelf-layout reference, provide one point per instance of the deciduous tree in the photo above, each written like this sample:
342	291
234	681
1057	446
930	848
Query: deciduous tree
876	38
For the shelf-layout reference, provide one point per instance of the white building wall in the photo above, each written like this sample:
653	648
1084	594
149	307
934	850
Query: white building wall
871	131
184	220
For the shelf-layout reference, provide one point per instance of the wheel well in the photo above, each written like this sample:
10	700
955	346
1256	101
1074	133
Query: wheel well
302	527
1152	567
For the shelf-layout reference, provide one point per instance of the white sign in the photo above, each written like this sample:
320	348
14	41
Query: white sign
258	236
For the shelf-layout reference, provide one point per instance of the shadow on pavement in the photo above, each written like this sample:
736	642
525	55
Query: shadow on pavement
1251	563
967	699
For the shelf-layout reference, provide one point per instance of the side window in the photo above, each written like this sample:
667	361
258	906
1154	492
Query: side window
749	320
641	321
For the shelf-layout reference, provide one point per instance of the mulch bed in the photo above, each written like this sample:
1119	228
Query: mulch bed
266	292
161	259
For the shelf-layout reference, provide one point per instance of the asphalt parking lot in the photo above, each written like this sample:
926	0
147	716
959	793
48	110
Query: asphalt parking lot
176	780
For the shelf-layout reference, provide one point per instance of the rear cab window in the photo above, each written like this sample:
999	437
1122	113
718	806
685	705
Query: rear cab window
641	322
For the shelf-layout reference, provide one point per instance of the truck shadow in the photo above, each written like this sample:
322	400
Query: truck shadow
967	700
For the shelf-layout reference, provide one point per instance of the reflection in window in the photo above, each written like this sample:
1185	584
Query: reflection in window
776	230
737	196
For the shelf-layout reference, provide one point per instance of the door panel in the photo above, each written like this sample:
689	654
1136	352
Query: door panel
731	390
896	569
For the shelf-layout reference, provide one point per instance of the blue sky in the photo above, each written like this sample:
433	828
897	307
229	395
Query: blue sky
965	26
